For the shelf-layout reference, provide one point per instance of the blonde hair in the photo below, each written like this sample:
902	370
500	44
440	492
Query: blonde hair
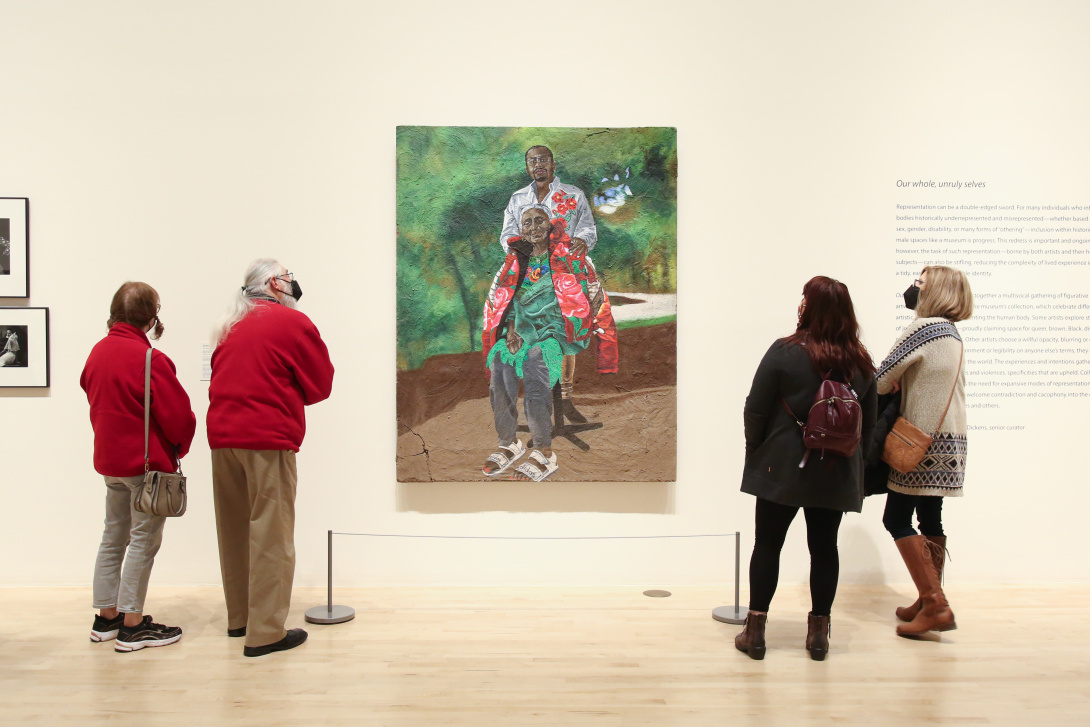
946	295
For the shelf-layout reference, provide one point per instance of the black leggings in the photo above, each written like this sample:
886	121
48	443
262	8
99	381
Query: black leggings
898	515
764	567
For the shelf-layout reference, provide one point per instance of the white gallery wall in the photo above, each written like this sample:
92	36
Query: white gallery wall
173	142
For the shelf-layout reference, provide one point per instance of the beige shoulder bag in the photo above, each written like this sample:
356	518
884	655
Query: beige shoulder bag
163	493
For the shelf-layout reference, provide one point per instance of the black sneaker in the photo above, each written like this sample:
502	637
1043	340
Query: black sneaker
293	638
105	629
146	633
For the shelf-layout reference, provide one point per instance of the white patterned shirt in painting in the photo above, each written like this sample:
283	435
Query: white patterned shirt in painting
581	224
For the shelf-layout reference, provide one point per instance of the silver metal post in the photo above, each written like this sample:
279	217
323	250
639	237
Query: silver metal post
329	614
737	568
733	614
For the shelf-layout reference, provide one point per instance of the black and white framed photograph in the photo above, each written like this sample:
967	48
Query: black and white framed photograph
14	247
24	347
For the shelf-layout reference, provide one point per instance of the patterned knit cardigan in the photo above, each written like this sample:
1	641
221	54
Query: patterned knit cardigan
925	359
571	276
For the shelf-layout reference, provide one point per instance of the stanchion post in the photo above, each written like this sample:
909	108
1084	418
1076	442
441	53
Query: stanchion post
733	614
329	614
737	570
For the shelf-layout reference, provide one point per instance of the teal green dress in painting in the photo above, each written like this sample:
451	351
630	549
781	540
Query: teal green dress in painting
539	322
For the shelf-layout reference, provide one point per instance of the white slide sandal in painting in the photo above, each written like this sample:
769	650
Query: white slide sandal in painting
536	467
505	457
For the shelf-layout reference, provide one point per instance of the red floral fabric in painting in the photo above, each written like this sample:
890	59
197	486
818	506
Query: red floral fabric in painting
571	274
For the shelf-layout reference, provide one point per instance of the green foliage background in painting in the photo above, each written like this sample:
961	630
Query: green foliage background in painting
453	183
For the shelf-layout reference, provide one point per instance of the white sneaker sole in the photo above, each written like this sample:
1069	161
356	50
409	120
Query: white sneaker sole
99	636
127	646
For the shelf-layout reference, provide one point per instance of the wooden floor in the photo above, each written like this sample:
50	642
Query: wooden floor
551	656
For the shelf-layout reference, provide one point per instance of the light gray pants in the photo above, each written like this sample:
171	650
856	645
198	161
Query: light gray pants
129	536
503	392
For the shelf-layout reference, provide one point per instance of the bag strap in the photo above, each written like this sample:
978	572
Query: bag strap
956	377
147	413
845	379
827	376
147	405
790	413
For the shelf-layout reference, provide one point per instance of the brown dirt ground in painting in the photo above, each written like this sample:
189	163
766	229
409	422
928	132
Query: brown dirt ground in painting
637	444
445	429
648	358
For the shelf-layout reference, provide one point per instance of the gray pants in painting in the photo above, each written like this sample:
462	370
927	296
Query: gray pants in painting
503	392
129	536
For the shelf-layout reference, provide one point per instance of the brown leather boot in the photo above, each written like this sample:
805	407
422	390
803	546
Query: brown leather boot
818	630
752	638
938	559
935	613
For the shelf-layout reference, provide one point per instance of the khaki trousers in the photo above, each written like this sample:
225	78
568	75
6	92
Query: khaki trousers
255	519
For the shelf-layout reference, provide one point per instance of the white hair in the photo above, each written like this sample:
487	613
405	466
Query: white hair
257	284
534	206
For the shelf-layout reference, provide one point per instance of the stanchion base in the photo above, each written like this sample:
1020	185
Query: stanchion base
726	614
330	615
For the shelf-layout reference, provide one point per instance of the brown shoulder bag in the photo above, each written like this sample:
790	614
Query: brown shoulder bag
906	445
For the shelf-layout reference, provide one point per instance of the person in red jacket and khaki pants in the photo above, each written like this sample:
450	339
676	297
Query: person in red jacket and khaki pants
114	381
268	364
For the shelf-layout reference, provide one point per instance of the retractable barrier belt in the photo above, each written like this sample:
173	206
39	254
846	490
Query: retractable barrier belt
330	614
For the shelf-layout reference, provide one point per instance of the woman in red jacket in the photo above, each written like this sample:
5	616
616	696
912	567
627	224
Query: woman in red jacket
114	381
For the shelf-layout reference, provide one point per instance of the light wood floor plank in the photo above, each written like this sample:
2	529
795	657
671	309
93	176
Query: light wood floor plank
552	656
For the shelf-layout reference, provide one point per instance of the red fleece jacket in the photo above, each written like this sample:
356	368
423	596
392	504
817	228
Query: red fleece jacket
271	364
113	378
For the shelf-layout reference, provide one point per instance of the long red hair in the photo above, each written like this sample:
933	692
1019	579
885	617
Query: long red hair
828	329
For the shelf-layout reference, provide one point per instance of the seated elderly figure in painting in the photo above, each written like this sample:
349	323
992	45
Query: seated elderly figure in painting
538	311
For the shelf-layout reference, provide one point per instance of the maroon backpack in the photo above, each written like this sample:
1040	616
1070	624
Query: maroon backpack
835	421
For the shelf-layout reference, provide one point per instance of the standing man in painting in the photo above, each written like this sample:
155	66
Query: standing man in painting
569	210
541	167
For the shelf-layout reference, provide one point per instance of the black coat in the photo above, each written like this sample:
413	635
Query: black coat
876	471
774	441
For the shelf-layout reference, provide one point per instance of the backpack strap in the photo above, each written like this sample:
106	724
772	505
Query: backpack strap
790	413
844	379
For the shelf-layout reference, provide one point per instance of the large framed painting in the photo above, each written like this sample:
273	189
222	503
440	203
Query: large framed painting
536	304
24	347
14	247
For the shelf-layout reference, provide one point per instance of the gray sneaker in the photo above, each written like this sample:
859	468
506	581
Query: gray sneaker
146	633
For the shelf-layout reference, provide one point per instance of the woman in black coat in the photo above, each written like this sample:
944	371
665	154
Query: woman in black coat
825	485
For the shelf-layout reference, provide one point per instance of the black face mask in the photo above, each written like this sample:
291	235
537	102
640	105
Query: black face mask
912	297
296	291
